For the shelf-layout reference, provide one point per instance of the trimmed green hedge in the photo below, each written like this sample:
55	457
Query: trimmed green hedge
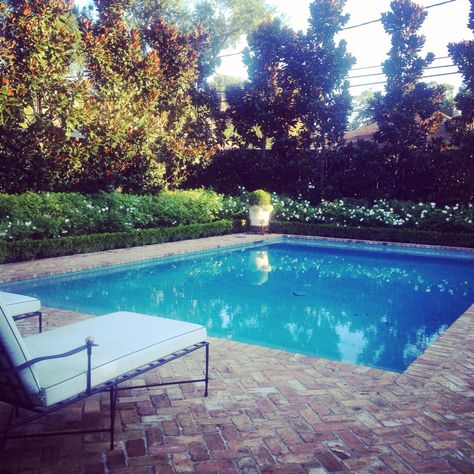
376	233
29	249
52	215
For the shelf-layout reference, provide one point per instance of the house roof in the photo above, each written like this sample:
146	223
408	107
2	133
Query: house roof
367	131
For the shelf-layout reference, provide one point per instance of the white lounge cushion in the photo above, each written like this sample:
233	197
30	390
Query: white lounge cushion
19	304
125	341
16	350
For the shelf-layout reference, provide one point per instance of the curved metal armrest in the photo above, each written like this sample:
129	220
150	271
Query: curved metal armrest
86	347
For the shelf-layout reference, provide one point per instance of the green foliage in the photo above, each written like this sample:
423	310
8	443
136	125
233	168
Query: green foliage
376	234
361	113
34	249
379	213
141	106
462	54
39	105
283	171
224	22
297	96
52	215
268	109
99	105
360	170
259	197
361	213
406	114
187	207
447	105
325	79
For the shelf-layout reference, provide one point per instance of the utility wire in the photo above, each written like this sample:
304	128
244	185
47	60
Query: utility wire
382	73
367	84
351	27
424	77
381	64
236	83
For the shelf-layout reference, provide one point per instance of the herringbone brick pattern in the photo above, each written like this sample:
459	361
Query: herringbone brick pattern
270	411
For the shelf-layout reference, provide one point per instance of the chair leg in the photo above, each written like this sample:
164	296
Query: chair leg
207	370
13	411
113	410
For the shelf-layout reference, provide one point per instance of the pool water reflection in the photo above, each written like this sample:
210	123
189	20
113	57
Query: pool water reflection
368	308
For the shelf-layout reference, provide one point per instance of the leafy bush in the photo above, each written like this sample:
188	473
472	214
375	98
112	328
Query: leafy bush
186	207
377	234
359	170
51	215
360	213
29	249
259	197
289	172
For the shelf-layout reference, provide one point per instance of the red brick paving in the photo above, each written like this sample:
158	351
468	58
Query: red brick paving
269	411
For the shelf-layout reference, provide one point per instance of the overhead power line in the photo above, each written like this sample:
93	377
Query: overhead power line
365	23
351	27
382	73
381	64
236	83
230	54
424	77
365	84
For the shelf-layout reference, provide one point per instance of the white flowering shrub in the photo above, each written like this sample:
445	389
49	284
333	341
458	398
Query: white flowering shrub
50	215
358	213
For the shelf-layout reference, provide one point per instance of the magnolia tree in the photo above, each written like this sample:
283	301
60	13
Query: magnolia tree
407	114
40	106
98	105
268	110
462	54
224	21
142	131
329	101
297	97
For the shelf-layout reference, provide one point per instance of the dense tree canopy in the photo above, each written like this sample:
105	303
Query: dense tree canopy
267	111
224	21
328	64
406	113
118	98
297	96
462	54
127	118
39	105
361	113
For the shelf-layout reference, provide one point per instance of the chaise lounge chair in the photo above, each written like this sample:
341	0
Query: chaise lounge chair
22	307
50	370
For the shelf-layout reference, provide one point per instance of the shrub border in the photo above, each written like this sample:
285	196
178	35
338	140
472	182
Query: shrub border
384	234
30	249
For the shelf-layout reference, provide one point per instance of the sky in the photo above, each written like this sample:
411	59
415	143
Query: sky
370	44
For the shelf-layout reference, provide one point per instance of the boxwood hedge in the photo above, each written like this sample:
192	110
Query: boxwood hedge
29	249
376	233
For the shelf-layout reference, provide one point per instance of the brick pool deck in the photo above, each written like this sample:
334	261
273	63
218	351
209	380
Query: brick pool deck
267	411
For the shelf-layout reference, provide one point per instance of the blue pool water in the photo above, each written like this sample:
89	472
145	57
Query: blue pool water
377	306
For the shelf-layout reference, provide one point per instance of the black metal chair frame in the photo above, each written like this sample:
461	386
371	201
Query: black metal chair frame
110	386
19	317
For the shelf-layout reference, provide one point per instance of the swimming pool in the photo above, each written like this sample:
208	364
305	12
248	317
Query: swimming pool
374	305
